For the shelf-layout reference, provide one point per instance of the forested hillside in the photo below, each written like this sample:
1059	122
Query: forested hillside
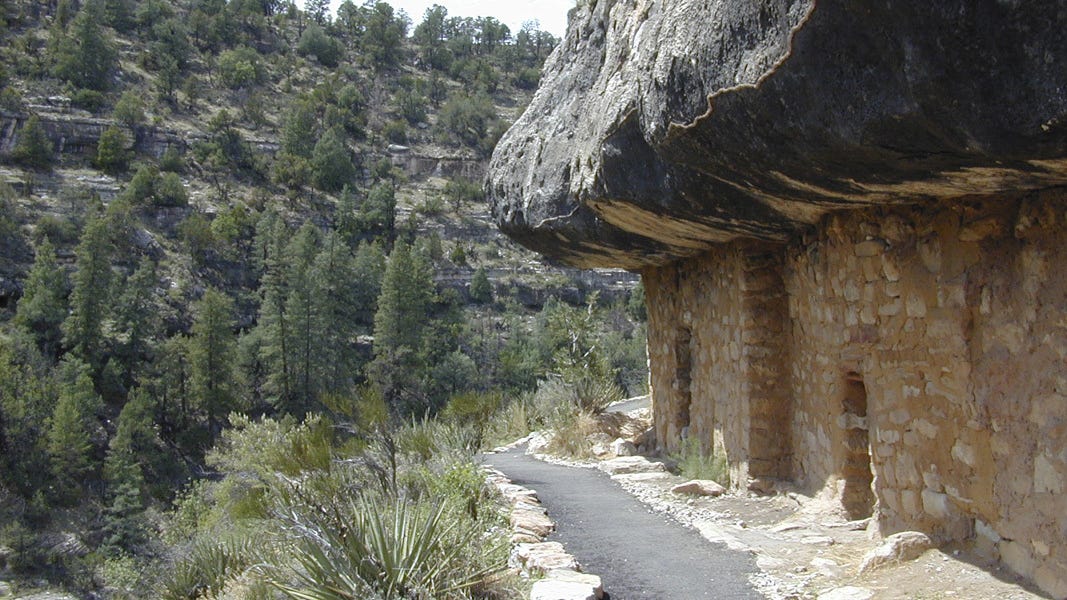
247	276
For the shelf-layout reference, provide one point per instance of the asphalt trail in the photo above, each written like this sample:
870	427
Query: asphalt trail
637	554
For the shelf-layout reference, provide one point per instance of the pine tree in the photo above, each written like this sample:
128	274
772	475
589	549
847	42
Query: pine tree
135	323
481	290
299	129
317	9
302	310
33	148
70	434
399	326
134	444
86	56
336	295
112	153
27	400
369	268
43	305
331	163
212	347
273	324
90	296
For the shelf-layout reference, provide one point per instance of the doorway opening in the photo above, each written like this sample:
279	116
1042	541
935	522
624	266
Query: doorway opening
858	497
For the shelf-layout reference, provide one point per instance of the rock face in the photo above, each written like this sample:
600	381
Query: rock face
664	127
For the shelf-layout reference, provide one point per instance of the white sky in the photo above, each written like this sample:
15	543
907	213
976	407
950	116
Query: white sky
551	14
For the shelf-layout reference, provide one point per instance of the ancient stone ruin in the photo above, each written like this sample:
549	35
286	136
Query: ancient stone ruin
851	222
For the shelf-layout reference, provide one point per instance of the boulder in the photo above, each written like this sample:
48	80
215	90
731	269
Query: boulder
699	487
899	547
662	128
625	465
565	584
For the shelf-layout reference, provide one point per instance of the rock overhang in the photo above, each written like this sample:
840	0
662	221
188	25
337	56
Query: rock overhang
664	127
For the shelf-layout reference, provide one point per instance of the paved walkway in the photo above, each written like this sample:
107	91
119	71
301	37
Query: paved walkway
638	555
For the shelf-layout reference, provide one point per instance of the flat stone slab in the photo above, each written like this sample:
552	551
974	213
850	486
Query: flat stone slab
543	557
849	592
625	465
535	522
699	487
566	584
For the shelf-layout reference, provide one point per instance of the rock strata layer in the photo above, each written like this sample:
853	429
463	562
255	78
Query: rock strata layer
662	128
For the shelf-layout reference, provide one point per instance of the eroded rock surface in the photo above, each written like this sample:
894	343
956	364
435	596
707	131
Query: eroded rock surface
663	127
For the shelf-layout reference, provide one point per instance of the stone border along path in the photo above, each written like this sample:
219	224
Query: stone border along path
530	525
638	554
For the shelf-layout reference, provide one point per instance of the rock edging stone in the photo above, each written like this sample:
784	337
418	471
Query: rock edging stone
562	578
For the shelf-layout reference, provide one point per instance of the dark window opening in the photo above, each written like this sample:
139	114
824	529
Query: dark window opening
683	376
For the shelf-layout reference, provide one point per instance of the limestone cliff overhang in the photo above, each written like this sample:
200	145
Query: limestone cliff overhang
662	127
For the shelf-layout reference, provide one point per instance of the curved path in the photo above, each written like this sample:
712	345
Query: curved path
637	554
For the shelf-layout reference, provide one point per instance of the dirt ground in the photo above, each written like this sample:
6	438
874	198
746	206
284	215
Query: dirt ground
806	548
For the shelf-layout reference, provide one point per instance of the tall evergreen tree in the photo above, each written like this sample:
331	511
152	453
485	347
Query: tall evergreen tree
331	163
399	326
72	428
212	347
302	309
369	268
90	296
33	148
273	324
135	322
27	400
43	305
86	57
336	297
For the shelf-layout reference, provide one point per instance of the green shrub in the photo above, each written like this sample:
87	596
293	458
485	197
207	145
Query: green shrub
396	132
696	463
90	100
315	42
170	191
58	230
241	67
172	161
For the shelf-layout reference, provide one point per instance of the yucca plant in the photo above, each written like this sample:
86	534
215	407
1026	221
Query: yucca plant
209	567
405	550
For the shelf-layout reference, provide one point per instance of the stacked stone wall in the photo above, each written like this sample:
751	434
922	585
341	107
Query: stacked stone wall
731	306
939	334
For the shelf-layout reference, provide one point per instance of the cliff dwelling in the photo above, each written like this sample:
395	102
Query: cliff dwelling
848	217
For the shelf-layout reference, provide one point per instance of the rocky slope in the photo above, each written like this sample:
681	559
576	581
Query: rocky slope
663	127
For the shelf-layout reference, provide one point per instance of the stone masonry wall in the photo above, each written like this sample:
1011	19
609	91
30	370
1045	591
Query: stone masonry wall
917	352
717	332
